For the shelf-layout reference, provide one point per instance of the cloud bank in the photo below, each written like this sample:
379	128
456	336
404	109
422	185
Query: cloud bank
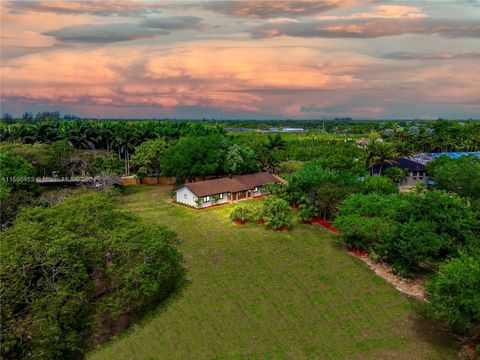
242	59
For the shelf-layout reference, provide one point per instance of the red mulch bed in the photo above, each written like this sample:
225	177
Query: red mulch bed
325	223
306	222
238	222
295	206
260	222
283	228
357	252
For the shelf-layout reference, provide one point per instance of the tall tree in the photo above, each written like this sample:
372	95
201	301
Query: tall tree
147	157
198	156
240	159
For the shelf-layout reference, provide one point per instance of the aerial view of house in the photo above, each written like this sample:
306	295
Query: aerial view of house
414	171
340	137
224	190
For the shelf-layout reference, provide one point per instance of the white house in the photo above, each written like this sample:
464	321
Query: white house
219	191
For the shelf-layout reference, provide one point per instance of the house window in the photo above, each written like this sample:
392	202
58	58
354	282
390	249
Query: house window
255	189
206	198
185	196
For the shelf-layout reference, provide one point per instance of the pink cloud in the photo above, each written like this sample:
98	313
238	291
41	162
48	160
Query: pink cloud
273	8
101	8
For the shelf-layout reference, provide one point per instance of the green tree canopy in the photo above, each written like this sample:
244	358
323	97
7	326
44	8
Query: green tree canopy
15	174
455	292
240	159
461	176
69	268
198	156
379	185
148	157
410	231
322	188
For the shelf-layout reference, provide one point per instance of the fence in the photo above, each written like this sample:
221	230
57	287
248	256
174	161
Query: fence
131	180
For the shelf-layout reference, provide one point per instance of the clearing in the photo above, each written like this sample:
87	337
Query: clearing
254	293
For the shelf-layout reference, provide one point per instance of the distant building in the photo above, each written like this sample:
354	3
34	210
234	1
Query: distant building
293	130
363	142
240	130
415	171
426	157
206	193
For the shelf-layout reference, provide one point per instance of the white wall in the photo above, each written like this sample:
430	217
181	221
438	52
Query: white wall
185	196
209	203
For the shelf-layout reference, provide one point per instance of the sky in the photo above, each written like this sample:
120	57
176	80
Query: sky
242	59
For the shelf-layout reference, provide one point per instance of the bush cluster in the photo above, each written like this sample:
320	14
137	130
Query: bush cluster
274	212
411	232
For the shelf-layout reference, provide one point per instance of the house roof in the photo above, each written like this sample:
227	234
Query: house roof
233	184
403	163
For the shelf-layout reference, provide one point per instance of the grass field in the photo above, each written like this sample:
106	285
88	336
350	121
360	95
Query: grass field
258	294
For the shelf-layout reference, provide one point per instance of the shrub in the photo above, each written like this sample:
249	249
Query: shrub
68	267
276	213
274	205
274	189
410	231
455	292
305	212
257	213
278	221
379	185
362	233
241	213
412	244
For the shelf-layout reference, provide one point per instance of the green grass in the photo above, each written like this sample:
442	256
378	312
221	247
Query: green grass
259	294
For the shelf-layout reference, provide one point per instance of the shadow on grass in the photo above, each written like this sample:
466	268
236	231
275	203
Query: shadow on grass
431	330
147	313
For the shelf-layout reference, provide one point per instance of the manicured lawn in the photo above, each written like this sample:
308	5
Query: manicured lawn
254	293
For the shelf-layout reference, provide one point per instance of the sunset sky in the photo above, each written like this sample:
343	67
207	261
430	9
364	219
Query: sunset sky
242	59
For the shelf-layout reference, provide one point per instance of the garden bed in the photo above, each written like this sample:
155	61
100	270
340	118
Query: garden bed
325	223
357	252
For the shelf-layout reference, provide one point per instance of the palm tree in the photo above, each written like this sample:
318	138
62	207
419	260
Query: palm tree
275	142
380	153
47	132
404	149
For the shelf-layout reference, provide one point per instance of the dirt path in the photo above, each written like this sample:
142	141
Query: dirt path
411	287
